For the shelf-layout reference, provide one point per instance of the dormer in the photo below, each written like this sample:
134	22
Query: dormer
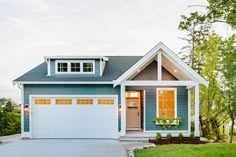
75	65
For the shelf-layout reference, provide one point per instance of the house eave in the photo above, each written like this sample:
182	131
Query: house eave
62	82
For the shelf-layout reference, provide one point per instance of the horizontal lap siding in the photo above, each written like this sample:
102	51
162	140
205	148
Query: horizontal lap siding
66	90
151	107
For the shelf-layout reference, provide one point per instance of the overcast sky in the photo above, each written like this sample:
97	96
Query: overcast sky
32	29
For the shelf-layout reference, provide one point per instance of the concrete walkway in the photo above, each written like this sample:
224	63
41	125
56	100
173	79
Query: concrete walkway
14	147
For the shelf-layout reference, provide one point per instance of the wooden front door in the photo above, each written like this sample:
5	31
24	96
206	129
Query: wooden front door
133	109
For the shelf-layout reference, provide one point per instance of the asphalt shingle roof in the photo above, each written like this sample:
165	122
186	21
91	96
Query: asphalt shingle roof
114	68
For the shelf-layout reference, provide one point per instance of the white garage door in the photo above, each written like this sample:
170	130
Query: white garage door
74	117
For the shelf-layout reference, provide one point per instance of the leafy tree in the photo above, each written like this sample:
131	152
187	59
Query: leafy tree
228	51
214	58
208	55
9	119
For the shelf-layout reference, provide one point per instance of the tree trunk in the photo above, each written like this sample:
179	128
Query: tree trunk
232	130
215	128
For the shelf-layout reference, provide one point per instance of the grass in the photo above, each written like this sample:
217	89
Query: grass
186	150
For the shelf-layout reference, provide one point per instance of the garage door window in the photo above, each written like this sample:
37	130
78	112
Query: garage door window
106	101
63	101
42	101
84	101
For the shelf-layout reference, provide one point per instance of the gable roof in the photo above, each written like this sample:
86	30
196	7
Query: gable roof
115	67
168	53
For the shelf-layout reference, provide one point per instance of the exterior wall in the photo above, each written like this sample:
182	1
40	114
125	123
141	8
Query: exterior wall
151	107
97	69
150	73
66	90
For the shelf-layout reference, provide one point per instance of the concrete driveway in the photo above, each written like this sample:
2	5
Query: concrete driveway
14	147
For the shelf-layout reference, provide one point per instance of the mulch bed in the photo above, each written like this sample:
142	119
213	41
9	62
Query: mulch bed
177	141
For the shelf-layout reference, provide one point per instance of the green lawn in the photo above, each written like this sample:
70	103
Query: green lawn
187	150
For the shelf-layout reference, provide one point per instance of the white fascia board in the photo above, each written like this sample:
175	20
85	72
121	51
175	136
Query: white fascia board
141	62
159	83
75	57
41	82
182	64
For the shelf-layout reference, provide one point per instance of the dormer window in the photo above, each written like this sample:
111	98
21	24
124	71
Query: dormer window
62	67
75	66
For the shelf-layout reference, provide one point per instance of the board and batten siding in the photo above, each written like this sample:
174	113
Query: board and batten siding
150	73
97	68
62	89
151	107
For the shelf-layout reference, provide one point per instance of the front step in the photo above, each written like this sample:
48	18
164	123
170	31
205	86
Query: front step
133	139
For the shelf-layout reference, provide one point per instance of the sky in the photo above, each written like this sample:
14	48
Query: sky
32	29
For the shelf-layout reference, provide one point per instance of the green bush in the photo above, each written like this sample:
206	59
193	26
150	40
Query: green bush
180	136
158	136
10	119
191	136
169	136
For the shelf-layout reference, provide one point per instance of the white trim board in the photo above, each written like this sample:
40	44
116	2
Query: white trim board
159	83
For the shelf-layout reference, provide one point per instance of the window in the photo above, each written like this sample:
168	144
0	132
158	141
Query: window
62	67
166	103
106	101
42	101
84	101
75	66
133	94
87	67
63	101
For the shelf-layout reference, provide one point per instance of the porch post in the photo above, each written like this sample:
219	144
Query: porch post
197	133
123	110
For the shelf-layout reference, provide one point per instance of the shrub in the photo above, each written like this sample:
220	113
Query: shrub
180	136
169	136
158	136
191	136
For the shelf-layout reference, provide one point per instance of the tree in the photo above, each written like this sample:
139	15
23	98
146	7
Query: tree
212	57
208	55
228	51
9	119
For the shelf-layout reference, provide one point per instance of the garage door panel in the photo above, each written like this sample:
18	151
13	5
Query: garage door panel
75	121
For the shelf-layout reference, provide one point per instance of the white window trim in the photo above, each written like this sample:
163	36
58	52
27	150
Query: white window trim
69	66
157	103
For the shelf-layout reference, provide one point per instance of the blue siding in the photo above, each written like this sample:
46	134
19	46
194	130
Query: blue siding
66	90
182	107
97	69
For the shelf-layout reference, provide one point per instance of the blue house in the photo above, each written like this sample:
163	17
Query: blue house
109	96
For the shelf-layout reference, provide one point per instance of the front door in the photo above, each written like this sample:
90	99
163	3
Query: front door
133	109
